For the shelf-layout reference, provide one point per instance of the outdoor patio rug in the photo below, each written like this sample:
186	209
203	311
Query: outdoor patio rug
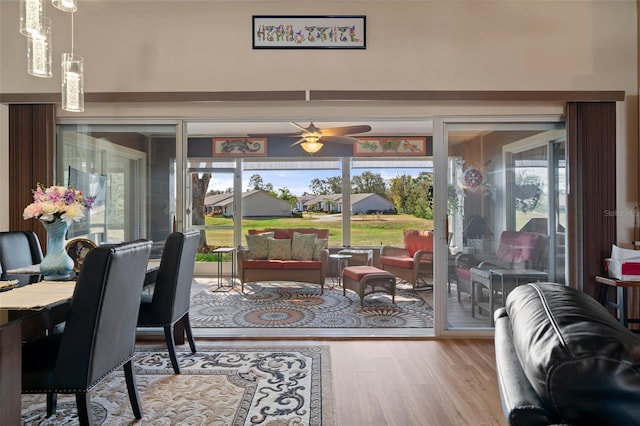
293	304
218	386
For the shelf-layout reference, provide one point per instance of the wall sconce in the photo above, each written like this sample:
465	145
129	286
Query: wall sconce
31	17
39	52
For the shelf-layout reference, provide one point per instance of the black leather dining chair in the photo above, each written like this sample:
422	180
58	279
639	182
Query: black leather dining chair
19	249
99	334
169	303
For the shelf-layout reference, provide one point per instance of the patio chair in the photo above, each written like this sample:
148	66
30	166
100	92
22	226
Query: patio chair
413	262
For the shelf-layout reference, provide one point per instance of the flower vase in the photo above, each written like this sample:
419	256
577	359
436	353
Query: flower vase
56	265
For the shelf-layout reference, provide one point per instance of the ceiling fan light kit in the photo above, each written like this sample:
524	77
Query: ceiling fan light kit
312	137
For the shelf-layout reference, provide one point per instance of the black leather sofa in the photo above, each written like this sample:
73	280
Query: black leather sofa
564	359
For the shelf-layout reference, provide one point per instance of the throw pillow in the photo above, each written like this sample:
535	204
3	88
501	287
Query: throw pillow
279	248
302	246
320	245
258	245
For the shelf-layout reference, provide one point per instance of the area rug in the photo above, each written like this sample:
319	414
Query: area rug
218	386
294	304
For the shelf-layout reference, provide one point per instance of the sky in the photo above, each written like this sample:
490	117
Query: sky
297	181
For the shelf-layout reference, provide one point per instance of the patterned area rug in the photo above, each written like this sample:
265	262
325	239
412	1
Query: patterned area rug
218	386
293	304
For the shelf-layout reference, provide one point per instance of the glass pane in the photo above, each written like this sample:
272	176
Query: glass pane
505	214
130	169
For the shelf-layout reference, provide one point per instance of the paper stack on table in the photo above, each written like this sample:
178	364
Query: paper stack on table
624	264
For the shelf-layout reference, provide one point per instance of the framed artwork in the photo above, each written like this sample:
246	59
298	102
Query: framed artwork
77	249
390	145
239	147
309	32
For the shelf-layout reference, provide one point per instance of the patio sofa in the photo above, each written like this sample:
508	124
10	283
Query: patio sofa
288	254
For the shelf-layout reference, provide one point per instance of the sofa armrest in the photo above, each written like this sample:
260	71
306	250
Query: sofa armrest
520	403
241	255
393	251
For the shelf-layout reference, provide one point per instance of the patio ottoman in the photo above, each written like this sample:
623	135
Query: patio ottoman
365	280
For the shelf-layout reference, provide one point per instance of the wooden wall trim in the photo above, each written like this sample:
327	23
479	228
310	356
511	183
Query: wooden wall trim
330	95
31	160
591	135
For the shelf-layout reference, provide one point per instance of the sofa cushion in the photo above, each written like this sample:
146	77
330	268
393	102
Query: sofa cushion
302	246
518	247
258	245
398	262
580	361
301	264
320	245
279	249
415	240
262	264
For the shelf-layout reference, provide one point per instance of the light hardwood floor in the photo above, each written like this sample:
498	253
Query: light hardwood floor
411	382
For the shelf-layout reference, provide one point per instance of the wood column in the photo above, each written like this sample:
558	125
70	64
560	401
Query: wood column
591	136
31	160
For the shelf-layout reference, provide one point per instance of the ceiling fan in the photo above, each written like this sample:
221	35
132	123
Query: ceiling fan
312	137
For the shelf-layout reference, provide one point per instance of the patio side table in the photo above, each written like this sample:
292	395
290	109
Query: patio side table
221	251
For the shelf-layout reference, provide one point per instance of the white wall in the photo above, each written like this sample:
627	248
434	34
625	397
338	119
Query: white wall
411	45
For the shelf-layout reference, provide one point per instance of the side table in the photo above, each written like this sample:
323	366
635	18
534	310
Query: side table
499	280
363	257
220	252
621	302
342	261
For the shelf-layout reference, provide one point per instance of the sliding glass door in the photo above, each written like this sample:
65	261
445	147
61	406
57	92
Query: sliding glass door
505	213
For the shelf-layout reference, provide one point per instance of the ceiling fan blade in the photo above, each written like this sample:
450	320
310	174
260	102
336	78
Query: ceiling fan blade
304	129
346	130
297	142
339	139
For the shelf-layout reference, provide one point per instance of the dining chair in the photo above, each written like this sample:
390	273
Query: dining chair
99	334
19	249
169	303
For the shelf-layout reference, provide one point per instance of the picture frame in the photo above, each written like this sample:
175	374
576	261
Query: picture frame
309	32
77	249
239	147
390	146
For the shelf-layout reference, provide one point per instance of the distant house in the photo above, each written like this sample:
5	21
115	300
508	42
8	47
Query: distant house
254	204
360	203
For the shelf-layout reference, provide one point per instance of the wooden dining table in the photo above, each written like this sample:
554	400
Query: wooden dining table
28	310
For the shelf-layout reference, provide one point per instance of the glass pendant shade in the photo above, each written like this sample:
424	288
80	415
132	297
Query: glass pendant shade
31	17
72	82
65	5
312	146
39	52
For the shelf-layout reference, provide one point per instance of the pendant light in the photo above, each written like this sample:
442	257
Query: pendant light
65	5
39	52
31	17
72	79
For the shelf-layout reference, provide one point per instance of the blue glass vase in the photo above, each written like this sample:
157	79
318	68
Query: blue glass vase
56	265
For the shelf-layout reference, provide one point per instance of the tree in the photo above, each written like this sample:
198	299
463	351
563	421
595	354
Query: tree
331	185
398	192
198	191
255	183
286	195
368	182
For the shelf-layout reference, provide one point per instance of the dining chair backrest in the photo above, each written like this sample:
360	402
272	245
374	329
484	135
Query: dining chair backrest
172	292
19	249
100	330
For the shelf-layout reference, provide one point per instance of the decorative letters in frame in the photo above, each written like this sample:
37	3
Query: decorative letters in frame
309	32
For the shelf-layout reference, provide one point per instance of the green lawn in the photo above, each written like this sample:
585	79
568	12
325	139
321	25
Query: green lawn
366	230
